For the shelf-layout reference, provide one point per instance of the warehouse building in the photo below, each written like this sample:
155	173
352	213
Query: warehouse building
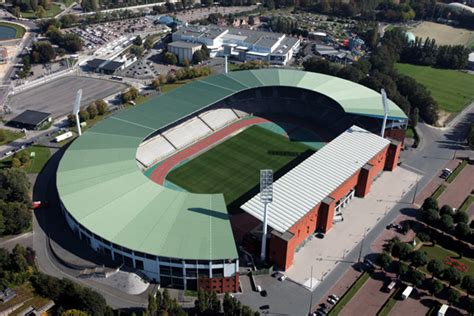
184	50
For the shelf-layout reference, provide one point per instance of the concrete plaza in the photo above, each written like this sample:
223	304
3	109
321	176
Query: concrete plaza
359	217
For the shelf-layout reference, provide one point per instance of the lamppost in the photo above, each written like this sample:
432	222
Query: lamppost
266	197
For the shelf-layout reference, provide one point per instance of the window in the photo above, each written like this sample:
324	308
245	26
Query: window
164	270
218	273
139	264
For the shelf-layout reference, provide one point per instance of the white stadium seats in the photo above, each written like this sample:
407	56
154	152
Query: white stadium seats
218	118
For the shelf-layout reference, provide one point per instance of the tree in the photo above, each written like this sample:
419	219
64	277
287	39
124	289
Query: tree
16	11
401	268
2	229
92	110
462	230
138	41
133	92
71	42
446	222
435	267
430	203
198	57
102	106
42	52
186	63
83	115
40	12
170	58
419	258
467	284
384	260
452	276
137	50
414	117
206	53
18	261
228	305
446	209
16	163
14	186
415	277
68	20
430	216
453	296
435	287
401	250
152	306
461	217
34	5
73	312
470	306
166	300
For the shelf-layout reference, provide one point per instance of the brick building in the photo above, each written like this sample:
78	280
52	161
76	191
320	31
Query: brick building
309	197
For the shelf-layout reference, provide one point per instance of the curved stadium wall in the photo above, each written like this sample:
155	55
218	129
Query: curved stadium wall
180	239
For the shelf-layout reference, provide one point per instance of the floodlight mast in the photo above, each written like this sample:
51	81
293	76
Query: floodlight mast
77	105
266	197
226	69
386	111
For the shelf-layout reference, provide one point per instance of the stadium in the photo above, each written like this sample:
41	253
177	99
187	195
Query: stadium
170	187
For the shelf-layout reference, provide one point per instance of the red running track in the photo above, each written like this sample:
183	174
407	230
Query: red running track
159	174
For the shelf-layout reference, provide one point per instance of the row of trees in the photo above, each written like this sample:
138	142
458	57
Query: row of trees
15	201
427	53
446	219
69	295
70	42
95	108
470	137
378	72
16	266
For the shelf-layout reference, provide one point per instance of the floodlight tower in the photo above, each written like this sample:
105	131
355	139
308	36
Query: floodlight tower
386	111
77	105
266	197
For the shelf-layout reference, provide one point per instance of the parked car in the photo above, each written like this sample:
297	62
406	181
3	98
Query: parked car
334	297
263	293
266	306
282	277
331	301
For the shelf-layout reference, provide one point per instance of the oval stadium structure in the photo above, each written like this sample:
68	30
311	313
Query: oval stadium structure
179	238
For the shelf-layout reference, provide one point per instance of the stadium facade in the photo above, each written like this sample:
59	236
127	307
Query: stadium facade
183	239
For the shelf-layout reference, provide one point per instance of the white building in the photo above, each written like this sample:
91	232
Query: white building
242	44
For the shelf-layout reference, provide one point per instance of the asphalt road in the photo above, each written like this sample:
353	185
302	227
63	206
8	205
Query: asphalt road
57	96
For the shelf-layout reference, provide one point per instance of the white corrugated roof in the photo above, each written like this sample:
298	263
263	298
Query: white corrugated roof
305	186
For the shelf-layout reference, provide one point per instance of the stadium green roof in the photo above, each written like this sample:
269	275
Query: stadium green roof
101	186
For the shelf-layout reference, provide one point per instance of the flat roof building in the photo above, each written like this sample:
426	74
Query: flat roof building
184	50
243	44
30	119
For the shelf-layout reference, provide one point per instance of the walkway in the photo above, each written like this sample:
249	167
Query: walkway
159	174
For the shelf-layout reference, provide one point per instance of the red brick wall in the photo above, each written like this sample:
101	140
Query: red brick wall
397	134
393	154
282	252
219	285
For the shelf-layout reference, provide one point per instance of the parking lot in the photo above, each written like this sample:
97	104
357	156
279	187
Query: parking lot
57	96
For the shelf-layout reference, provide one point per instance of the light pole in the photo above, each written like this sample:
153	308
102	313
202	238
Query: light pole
385	110
311	291
77	105
266	197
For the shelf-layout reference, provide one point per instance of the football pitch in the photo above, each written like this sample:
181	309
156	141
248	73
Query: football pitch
233	166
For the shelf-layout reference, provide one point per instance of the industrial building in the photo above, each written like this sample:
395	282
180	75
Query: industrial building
184	50
30	119
185	240
240	44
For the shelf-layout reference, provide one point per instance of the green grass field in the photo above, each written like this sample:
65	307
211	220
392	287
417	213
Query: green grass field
452	89
467	202
9	136
233	167
438	252
42	155
52	11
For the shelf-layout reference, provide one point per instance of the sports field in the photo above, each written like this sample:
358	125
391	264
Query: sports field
233	167
452	89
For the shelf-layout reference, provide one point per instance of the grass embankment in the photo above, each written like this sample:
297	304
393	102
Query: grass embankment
452	89
20	30
51	12
233	167
436	194
456	171
41	156
9	136
467	202
389	304
355	287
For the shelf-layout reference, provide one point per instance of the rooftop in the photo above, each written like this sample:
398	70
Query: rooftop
30	117
306	185
182	44
101	186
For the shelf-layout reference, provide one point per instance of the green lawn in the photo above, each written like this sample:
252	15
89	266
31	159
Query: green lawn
467	202
457	171
20	30
389	304
349	294
410	133
42	154
440	253
53	11
9	136
233	167
451	88
436	194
